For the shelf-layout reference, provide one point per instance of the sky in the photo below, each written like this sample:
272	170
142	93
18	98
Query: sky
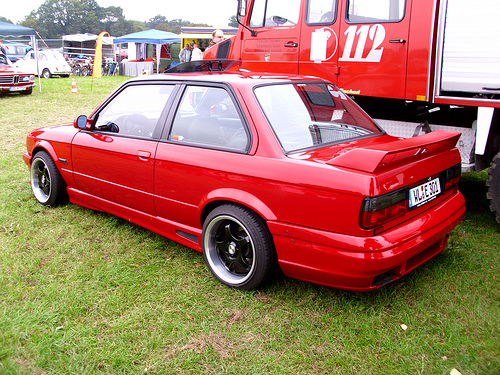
215	13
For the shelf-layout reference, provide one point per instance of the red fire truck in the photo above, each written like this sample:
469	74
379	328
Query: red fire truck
415	65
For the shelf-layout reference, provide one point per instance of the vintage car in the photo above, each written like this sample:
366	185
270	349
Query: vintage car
50	63
13	79
258	172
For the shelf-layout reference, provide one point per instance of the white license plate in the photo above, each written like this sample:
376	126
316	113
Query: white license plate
424	193
17	88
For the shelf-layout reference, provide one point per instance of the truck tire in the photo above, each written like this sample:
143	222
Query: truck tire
493	184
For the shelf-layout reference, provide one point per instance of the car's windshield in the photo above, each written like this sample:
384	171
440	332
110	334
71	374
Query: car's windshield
312	114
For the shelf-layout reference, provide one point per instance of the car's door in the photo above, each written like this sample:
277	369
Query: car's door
115	160
209	138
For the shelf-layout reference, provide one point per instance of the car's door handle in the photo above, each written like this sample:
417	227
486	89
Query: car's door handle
397	41
143	155
291	45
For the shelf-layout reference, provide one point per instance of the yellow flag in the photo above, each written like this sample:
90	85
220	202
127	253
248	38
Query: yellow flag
97	70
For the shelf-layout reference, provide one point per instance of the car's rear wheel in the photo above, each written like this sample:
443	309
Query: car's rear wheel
46	73
238	247
47	183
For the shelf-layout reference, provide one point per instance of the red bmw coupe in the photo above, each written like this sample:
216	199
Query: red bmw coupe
258	172
13	79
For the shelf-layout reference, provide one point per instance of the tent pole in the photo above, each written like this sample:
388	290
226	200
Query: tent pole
35	47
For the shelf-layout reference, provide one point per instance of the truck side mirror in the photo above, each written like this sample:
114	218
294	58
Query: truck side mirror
242	8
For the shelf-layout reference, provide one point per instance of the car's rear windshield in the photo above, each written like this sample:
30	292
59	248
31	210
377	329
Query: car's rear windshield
305	115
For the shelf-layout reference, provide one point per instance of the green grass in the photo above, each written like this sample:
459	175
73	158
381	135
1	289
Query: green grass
83	292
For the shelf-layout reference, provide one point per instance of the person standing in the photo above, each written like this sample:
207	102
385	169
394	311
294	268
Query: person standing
217	37
185	54
196	54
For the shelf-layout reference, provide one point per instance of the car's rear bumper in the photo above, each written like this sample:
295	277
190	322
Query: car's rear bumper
365	263
27	158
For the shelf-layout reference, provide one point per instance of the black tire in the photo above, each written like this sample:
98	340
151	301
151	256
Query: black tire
493	184
27	92
238	247
46	73
47	183
77	71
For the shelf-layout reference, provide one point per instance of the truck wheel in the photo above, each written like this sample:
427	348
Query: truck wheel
493	184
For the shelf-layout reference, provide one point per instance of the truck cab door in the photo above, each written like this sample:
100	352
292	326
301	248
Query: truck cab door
277	25
374	47
319	40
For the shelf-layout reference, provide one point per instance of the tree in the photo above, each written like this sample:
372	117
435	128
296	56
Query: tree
161	23
56	18
3	19
233	22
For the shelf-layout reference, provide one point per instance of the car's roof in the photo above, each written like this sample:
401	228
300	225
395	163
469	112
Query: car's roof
231	77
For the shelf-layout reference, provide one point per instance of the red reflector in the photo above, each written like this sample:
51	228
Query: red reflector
372	219
452	183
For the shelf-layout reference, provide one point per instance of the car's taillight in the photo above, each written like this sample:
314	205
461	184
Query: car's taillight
452	177
376	211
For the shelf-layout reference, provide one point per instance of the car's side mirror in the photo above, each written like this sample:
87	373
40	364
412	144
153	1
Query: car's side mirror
82	122
219	109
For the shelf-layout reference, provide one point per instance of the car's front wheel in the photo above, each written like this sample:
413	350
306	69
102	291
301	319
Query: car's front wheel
47	183
238	247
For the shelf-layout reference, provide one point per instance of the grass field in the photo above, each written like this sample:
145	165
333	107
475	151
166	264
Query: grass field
83	292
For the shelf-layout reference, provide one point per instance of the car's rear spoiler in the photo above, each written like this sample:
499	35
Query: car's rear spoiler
205	66
372	158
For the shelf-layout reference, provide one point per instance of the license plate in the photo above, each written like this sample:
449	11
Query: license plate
424	193
17	88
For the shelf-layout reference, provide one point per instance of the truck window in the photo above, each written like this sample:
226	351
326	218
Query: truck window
321	12
274	13
370	11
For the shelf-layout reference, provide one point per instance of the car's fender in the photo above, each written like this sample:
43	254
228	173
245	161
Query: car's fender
61	157
238	196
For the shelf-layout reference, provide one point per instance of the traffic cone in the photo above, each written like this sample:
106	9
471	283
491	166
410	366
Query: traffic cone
74	90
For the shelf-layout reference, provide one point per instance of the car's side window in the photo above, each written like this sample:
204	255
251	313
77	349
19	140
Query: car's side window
208	117
135	110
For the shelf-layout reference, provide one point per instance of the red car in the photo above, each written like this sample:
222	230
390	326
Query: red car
258	171
13	79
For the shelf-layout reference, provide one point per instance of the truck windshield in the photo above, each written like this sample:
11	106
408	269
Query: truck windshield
312	114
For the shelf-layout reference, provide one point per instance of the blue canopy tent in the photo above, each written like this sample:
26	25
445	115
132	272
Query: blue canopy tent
11	30
151	36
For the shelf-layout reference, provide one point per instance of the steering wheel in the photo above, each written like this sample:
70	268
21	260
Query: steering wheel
135	123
